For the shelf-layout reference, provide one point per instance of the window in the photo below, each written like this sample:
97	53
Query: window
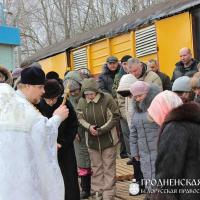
80	58
146	41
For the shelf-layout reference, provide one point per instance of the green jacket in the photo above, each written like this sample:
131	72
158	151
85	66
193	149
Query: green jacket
102	112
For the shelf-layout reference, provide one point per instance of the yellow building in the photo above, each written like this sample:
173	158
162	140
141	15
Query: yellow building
157	32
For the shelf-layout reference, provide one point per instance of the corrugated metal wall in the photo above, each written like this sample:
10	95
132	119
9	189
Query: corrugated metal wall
121	45
57	63
173	33
98	53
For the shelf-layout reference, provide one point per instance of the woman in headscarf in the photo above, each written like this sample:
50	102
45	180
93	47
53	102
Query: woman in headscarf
178	157
143	131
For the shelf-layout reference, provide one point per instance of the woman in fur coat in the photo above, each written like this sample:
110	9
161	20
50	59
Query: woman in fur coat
178	149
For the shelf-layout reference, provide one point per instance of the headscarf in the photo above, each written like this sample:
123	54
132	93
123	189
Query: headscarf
162	104
139	88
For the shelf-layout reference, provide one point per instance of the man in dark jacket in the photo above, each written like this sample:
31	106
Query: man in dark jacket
106	78
166	83
187	66
66	135
123	70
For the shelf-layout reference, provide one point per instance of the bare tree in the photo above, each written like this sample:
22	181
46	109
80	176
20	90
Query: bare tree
45	22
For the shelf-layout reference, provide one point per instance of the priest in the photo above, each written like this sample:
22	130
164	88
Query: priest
28	155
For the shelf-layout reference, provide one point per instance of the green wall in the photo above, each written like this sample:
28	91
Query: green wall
7	56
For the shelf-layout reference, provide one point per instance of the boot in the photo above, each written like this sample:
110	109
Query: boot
97	196
86	186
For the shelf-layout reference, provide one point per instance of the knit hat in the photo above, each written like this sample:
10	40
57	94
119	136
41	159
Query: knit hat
16	72
33	76
52	89
73	85
182	84
125	58
112	59
139	88
125	82
162	104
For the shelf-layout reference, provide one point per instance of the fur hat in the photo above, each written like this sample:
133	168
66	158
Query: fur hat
52	89
182	84
33	76
139	88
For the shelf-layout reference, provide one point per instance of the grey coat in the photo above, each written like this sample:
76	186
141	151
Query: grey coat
144	135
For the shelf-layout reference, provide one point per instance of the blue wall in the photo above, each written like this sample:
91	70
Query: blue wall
9	35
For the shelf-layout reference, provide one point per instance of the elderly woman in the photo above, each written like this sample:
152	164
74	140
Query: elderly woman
178	150
143	131
73	82
98	114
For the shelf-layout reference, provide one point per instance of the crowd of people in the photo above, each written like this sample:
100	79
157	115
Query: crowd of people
76	124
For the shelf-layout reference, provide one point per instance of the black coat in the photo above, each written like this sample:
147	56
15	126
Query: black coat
106	79
166	83
180	70
66	155
179	151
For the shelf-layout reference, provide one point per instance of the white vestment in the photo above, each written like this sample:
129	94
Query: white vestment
28	154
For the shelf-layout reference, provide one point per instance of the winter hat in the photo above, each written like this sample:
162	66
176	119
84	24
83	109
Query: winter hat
89	92
17	72
52	89
182	84
73	85
139	88
52	75
162	104
71	79
125	58
84	72
112	59
125	82
90	84
33	76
